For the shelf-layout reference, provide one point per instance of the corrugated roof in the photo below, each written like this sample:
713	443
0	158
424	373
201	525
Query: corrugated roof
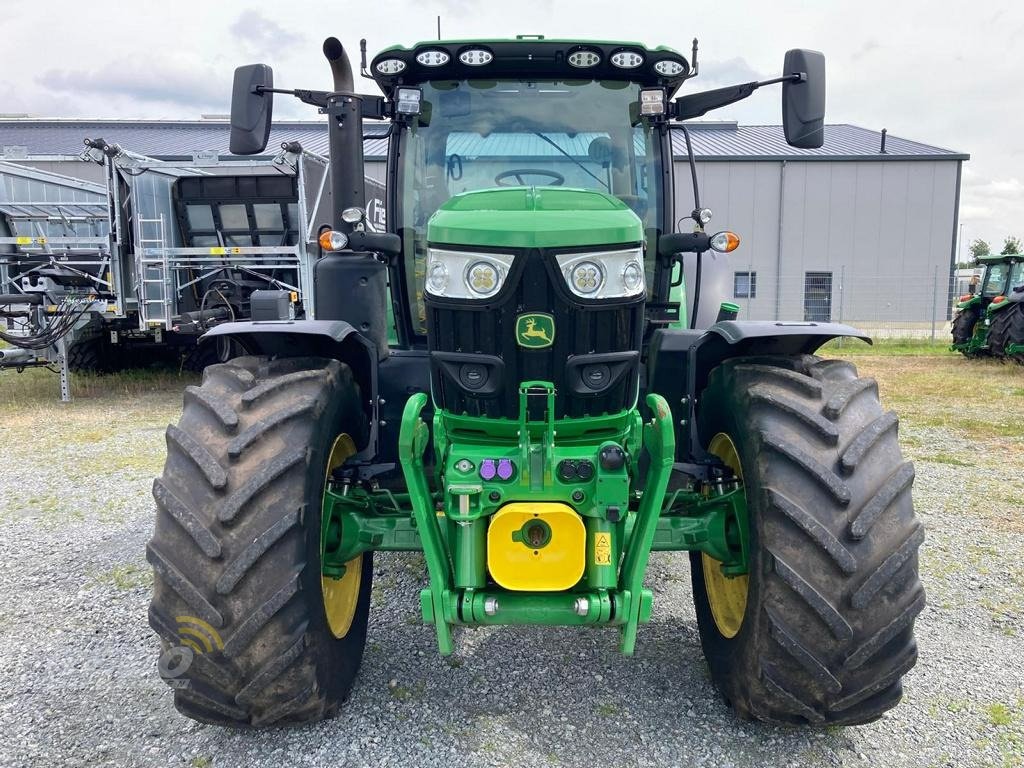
173	139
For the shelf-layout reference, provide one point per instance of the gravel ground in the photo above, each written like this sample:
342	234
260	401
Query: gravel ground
78	684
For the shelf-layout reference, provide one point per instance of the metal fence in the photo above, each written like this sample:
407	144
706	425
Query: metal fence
894	305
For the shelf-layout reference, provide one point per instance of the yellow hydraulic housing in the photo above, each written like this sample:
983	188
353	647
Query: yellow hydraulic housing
536	547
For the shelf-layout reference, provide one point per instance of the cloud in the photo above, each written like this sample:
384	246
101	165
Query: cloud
975	212
139	79
262	36
729	71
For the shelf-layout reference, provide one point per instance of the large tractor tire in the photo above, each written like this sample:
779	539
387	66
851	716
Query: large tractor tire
88	356
963	327
199	355
1007	328
252	632
821	629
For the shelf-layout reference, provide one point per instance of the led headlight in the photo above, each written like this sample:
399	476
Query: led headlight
604	274
483	278
585	278
437	278
465	274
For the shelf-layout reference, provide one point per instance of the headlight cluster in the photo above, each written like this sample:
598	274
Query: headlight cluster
604	274
591	275
465	275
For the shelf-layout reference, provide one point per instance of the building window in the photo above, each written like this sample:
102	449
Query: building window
744	285
818	297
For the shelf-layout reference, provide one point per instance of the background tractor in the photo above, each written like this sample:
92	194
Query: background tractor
976	310
512	380
1005	314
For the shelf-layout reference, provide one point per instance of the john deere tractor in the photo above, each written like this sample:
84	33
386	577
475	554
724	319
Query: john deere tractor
977	312
1005	314
511	380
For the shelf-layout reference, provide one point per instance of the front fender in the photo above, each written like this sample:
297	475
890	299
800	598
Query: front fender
333	339
679	361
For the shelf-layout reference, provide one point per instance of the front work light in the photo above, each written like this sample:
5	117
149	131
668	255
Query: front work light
583	59
330	240
652	102
353	215
433	58
724	242
476	57
627	59
604	274
466	274
407	101
390	66
669	68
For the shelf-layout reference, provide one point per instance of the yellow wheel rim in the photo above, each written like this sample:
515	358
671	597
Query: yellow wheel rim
341	595
727	595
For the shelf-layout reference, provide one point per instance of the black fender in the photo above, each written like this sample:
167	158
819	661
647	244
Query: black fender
334	339
680	360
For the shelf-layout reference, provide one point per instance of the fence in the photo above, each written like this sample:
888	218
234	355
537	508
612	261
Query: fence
896	305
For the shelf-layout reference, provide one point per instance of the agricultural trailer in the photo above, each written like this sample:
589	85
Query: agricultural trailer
541	408
172	249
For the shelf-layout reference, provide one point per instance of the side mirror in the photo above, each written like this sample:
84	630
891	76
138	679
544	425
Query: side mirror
251	109
803	103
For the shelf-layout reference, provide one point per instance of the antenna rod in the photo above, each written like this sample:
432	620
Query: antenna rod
438	27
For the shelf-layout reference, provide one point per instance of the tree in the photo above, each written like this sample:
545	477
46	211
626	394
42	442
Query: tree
980	248
1011	244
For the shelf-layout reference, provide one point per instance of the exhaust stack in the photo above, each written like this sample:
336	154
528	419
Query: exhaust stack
345	115
341	67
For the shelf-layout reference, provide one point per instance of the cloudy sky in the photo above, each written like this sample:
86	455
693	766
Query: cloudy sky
938	72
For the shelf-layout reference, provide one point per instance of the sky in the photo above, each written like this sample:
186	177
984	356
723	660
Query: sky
937	72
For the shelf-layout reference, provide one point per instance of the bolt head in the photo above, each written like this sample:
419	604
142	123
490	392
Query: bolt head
581	606
490	605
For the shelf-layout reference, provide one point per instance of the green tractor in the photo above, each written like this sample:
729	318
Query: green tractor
511	380
978	310
1005	315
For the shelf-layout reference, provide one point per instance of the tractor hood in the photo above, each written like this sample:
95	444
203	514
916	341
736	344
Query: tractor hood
534	217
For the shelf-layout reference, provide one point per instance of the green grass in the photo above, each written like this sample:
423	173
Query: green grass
888	347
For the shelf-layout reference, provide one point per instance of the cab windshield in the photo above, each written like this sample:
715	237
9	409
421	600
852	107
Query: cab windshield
481	134
995	279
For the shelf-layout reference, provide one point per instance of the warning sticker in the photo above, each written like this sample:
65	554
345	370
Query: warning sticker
602	548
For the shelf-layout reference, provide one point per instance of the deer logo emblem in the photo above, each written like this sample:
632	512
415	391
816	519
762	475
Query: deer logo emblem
535	330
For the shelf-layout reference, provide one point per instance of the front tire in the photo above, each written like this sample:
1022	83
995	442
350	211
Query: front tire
1007	328
236	548
963	328
826	631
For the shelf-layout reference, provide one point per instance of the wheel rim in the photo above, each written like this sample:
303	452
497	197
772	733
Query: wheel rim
340	596
727	596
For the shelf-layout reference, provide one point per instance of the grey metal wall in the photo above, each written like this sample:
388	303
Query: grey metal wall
883	229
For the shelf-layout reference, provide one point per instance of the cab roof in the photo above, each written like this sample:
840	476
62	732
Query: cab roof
530	56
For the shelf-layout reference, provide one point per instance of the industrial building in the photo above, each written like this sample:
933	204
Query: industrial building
862	230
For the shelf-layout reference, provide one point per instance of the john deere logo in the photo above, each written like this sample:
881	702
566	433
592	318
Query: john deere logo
535	330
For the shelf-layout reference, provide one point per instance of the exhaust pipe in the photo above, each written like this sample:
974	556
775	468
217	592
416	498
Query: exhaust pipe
345	135
341	67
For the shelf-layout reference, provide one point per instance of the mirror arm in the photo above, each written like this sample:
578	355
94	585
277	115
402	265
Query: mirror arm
698	104
375	107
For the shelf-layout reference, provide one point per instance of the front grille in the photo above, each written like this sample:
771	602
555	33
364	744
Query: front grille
487	329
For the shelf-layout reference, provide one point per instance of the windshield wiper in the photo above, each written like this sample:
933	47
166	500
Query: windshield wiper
581	165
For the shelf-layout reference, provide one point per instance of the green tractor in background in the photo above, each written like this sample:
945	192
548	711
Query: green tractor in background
979	312
512	380
1005	314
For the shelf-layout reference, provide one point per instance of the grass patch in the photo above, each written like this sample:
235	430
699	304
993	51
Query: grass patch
127	577
999	714
946	458
888	347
